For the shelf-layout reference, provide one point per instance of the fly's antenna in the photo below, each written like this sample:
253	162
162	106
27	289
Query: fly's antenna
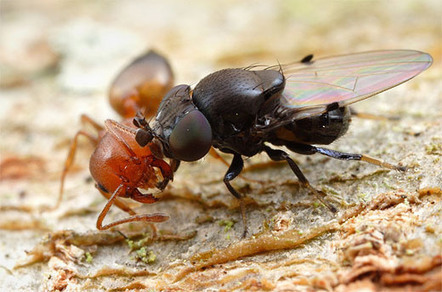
139	121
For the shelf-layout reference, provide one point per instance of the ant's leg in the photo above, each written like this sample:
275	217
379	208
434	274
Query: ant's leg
85	119
368	116
70	159
73	149
234	170
214	154
137	196
157	217
146	199
120	204
279	155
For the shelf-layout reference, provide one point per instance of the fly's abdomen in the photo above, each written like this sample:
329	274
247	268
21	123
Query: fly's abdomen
320	129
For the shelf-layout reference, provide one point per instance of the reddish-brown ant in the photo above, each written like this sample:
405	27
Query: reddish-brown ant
119	165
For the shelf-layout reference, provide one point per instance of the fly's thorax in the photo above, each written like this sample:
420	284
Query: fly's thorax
231	100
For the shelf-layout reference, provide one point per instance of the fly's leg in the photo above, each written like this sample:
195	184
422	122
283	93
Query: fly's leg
279	155
234	170
216	155
368	116
351	156
309	149
156	217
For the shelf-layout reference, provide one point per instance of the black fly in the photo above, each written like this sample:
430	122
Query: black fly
244	111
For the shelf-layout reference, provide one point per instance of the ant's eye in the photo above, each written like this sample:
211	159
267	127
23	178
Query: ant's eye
191	138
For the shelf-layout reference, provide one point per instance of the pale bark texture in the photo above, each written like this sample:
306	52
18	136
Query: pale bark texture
57	59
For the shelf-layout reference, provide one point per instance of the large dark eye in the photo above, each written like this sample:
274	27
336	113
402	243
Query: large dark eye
191	138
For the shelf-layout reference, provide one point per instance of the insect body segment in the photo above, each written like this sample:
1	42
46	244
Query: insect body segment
232	100
141	85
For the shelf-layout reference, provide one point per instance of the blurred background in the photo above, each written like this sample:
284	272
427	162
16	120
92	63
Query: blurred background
57	59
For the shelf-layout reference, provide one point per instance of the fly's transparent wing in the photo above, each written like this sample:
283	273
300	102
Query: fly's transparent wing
346	79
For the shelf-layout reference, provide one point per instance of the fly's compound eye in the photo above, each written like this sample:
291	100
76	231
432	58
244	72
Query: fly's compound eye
191	138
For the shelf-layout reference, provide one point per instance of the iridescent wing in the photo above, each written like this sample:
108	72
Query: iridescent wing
311	86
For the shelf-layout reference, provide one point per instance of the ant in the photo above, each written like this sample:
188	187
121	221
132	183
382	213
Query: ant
119	165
